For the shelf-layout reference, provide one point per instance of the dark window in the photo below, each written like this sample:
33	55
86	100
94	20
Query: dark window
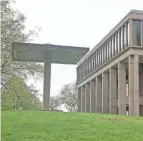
136	33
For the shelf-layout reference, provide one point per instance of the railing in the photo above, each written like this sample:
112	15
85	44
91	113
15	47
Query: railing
105	52
128	34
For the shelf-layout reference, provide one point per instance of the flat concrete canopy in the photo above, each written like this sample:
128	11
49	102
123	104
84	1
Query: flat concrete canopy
36	53
48	54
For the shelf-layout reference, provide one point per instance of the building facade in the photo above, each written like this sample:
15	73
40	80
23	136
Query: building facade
110	76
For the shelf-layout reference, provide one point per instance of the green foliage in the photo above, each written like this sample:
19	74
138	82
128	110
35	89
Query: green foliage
55	126
17	96
15	93
13	30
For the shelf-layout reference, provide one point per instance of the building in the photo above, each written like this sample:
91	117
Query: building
110	76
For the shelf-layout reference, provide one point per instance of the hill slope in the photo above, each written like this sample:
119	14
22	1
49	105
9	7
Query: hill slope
52	126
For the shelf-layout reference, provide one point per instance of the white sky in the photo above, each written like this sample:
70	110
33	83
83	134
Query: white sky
72	22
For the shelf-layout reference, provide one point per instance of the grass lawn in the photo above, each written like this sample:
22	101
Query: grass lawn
56	126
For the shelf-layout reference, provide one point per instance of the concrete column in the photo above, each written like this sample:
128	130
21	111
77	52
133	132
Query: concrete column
142	33
131	85
87	99
141	78
47	80
92	96
105	92
113	94
130	33
121	88
83	98
98	94
79	100
141	87
134	85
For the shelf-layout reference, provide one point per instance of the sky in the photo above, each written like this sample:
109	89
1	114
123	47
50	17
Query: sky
81	23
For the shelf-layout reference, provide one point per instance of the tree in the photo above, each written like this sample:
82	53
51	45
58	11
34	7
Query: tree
13	30
18	96
55	102
68	97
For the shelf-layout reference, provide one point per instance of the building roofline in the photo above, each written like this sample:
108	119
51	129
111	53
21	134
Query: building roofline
113	29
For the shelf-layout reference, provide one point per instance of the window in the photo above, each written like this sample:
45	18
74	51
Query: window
93	56
136	33
109	47
99	51
81	71
107	50
116	43
128	33
104	58
125	36
91	61
86	67
102	47
89	64
112	47
97	57
121	38
119	41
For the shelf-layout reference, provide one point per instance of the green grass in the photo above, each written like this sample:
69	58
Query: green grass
55	126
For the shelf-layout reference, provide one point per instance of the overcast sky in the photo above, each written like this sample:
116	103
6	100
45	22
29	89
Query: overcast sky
72	22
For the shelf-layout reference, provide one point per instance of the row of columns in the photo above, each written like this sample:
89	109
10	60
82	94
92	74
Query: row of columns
106	93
